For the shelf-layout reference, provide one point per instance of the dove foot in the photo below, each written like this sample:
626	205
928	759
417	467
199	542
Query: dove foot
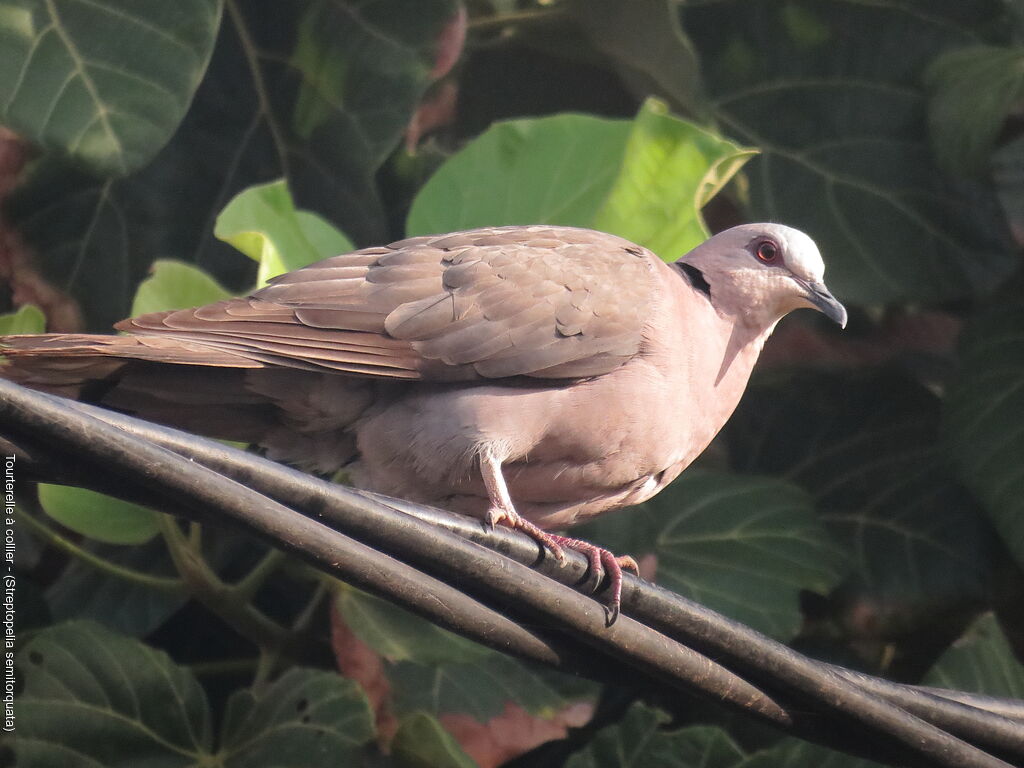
601	559
512	519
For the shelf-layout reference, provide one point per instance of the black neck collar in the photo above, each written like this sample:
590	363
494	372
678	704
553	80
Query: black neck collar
695	276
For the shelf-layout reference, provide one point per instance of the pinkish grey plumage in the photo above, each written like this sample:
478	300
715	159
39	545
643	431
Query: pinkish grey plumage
572	366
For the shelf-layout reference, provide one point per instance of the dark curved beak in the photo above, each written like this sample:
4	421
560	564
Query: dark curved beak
818	295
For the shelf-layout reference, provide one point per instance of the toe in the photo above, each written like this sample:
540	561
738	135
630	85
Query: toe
627	563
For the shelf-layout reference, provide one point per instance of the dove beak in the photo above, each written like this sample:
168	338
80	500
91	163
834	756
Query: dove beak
821	299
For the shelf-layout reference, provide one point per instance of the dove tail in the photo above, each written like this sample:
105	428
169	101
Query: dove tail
175	382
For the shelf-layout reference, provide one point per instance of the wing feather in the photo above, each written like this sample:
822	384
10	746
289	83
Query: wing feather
540	301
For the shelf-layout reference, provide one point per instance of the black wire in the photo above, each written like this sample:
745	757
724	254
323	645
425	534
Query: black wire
983	720
28	417
839	694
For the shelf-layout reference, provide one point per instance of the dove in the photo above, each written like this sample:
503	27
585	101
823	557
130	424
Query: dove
531	376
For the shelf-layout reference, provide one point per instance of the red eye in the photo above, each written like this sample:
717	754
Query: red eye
767	251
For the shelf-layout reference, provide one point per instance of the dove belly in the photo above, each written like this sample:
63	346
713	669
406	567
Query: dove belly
567	453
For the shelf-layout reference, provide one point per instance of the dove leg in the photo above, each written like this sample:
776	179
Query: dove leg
502	511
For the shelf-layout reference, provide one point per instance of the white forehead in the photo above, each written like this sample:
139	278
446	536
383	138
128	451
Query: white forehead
799	251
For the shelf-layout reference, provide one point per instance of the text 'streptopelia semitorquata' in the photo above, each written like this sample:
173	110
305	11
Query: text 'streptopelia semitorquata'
530	375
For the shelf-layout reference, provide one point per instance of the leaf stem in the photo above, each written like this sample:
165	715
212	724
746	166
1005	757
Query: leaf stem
167	584
247	587
252	59
222	599
532	16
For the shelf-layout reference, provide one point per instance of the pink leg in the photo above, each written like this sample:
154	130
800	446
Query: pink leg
502	511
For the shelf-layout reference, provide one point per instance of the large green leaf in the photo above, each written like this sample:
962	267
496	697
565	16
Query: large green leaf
831	92
399	635
481	687
866	447
981	661
422	742
793	753
1008	176
650	51
95	698
640	738
743	546
262	223
436	672
99	517
173	285
985	417
307	718
126	604
84	592
247	125
670	170
105	83
552	170
971	91
644	179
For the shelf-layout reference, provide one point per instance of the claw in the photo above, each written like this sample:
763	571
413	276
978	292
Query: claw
600	559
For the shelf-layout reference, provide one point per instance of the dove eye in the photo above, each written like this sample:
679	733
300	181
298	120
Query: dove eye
767	251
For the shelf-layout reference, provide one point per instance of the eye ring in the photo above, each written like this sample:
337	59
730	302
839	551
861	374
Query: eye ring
767	251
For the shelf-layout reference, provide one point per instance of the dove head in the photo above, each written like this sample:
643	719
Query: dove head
761	272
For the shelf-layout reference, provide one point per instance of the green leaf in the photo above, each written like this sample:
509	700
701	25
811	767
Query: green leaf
437	672
263	224
647	45
28	319
644	179
970	93
839	121
95	698
981	661
173	285
399	635
640	739
82	591
744	546
867	447
481	688
793	753
1008	176
133	607
95	239
671	169
549	170
421	742
105	83
984	417
307	717
99	517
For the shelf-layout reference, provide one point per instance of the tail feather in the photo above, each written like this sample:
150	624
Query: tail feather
62	363
182	384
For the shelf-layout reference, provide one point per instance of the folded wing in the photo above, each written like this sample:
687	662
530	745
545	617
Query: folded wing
539	301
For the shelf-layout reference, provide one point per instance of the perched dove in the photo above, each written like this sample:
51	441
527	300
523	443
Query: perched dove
534	376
